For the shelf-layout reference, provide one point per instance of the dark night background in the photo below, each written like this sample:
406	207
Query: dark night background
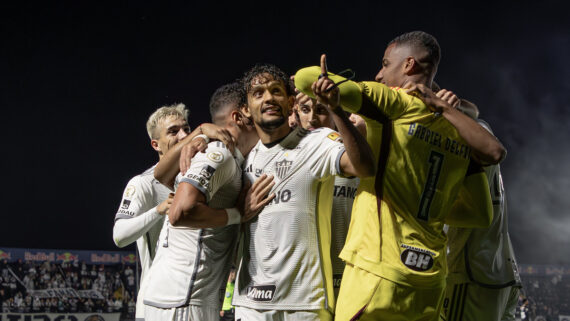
79	79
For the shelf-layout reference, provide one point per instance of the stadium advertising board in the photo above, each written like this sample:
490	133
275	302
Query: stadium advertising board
60	256
66	293
59	316
537	269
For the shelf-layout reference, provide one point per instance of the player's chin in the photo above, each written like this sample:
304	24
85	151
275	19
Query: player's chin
273	122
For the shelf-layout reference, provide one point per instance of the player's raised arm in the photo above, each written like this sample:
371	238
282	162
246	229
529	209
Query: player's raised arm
358	159
350	91
168	166
486	148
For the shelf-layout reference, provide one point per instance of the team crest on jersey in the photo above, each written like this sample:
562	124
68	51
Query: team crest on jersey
130	191
126	204
216	157
207	171
262	293
417	259
334	136
282	167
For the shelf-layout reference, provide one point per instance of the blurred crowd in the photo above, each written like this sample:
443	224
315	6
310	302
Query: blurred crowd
112	287
544	297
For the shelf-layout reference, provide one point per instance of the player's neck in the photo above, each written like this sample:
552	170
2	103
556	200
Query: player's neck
268	137
246	142
417	79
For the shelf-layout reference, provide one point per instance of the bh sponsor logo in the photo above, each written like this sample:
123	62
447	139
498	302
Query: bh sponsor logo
417	259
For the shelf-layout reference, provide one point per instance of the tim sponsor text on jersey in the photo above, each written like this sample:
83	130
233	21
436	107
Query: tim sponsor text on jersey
344	191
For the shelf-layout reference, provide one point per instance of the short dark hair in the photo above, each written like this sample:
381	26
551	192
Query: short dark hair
231	93
421	39
270	69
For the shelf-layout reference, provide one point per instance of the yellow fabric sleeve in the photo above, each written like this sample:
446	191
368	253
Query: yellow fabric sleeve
473	207
350	91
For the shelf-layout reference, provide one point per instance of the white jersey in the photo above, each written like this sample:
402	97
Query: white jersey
286	261
343	197
485	255
192	265
140	198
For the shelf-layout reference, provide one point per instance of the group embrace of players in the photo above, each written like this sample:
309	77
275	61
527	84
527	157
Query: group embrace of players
336	200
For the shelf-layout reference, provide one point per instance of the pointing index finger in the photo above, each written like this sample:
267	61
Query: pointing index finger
324	71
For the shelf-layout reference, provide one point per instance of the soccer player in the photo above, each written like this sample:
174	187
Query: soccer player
285	272
483	282
198	239
395	248
146	201
313	115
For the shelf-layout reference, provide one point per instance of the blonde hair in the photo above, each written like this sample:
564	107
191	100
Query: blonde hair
163	112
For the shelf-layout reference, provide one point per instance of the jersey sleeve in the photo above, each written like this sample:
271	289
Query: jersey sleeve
136	213
137	198
371	99
327	150
485	125
210	170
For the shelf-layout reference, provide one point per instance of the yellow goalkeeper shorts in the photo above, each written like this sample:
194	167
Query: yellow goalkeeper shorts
366	296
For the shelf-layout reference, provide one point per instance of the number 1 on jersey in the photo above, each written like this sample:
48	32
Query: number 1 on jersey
435	161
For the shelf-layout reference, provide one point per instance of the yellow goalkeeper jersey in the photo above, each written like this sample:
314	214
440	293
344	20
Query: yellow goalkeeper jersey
396	230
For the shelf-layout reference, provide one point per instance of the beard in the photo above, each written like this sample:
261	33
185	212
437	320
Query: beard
272	124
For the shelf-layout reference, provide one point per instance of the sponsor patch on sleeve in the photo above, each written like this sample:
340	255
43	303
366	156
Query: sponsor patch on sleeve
334	136
130	191
216	157
416	258
125	204
207	171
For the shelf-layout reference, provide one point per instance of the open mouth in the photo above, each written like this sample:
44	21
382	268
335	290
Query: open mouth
271	110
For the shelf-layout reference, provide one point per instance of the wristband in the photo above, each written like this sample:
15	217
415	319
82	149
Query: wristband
203	137
234	217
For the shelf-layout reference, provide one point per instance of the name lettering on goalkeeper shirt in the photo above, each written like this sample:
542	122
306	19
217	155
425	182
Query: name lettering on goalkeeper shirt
436	139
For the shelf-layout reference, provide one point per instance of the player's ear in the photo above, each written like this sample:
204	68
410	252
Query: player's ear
154	144
245	110
236	117
410	65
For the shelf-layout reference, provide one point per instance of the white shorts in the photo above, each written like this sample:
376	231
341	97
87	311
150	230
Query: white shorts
187	313
471	302
247	314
